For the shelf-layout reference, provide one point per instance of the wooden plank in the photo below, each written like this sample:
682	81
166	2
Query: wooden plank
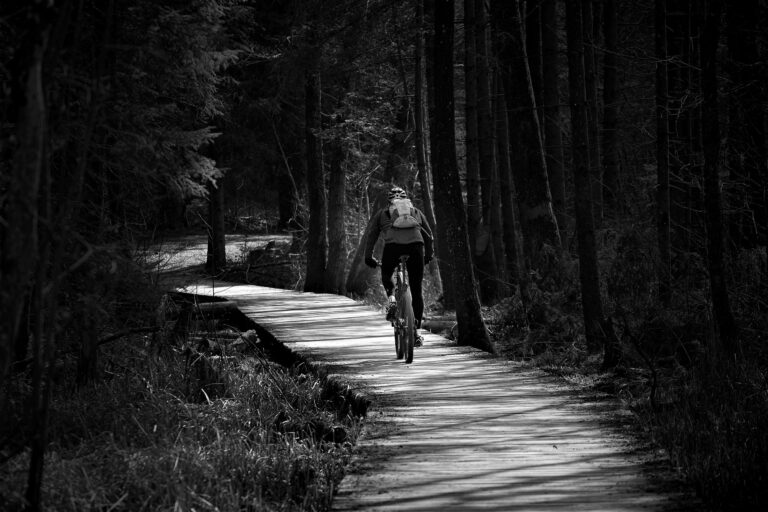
457	429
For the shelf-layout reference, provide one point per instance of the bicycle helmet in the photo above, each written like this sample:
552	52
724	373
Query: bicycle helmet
396	193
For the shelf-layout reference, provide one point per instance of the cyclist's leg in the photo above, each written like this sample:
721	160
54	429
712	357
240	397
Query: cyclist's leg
415	266
388	263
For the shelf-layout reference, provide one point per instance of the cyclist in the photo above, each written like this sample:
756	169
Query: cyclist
412	238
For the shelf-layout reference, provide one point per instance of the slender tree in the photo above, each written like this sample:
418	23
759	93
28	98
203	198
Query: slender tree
452	222
217	250
443	252
514	268
337	229
425	180
491	214
317	238
610	105
596	329
550	109
419	107
529	168
23	263
471	146
590	83
534	49
721	307
19	229
662	155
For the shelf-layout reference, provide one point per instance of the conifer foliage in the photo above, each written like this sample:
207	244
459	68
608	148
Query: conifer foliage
628	226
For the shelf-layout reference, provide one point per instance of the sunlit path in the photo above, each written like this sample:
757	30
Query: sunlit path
455	430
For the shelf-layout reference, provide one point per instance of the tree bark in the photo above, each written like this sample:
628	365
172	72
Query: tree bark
471	147
317	238
662	156
337	230
591	299
452	224
721	307
425	180
590	74
529	168
610	105
216	257
443	252
550	109
514	269
534	49
24	246
488	267
19	231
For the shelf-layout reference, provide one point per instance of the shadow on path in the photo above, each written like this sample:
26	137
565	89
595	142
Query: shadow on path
457	429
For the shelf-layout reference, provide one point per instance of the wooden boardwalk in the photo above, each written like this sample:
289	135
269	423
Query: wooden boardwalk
457	429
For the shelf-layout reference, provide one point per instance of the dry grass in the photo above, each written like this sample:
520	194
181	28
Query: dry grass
142	440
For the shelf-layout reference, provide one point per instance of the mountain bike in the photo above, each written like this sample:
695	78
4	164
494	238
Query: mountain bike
404	322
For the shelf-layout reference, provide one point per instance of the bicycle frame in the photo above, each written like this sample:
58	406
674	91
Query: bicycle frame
404	322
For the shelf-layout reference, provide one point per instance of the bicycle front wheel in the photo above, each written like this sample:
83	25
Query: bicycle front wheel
408	337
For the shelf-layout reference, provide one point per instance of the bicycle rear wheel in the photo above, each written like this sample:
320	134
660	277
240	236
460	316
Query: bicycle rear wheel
398	341
407	338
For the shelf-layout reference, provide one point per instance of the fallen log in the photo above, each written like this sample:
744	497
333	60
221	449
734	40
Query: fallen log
215	309
437	325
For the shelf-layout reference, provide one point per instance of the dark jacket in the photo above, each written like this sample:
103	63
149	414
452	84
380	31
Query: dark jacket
381	224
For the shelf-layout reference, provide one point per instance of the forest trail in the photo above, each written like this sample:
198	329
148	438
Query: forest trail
457	429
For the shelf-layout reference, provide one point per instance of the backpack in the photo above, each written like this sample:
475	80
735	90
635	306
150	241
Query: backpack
403	214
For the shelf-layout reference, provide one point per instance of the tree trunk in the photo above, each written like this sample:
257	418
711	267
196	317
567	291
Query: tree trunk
425	180
590	74
721	307
534	49
471	147
662	156
452	224
610	105
317	240
591	299
443	252
529	168
550	109
514	270
24	248
487	265
19	232
216	257
337	230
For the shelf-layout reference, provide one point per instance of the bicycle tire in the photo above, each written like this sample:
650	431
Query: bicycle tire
409	322
398	344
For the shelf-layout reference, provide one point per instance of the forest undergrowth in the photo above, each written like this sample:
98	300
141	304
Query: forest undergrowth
707	410
203	415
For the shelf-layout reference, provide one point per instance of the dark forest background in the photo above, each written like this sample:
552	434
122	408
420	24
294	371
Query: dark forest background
594	171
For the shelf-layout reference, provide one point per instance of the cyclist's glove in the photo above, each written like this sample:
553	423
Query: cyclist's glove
371	262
